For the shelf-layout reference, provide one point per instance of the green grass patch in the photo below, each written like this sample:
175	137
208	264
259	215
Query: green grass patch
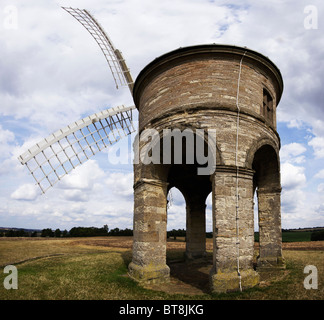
291	236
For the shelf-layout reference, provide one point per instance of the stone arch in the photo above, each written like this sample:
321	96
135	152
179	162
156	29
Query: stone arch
256	146
175	197
266	181
212	145
267	168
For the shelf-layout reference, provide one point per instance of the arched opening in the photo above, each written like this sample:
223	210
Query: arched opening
256	228
176	210
153	219
195	190
186	256
266	187
189	260
266	166
209	217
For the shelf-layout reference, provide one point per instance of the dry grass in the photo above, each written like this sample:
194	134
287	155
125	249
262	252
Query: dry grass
18	250
297	261
95	268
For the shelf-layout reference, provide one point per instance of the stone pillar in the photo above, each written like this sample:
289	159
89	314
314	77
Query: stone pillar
150	222
232	256
270	236
196	229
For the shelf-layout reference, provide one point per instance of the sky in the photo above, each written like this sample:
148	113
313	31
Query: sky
52	73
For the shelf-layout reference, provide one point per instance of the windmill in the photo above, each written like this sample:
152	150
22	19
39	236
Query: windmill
57	155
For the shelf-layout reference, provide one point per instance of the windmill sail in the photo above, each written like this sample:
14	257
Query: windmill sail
55	156
116	62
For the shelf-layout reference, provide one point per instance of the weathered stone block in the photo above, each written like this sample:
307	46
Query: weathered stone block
230	281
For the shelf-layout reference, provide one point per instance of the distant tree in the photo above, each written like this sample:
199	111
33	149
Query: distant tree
57	233
34	234
17	233
121	232
47	233
317	235
64	233
89	231
176	233
10	233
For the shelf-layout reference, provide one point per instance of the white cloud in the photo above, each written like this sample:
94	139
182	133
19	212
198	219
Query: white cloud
292	153
293	196
292	177
25	192
295	123
83	177
7	140
318	146
76	195
6	136
292	200
120	184
320	174
320	188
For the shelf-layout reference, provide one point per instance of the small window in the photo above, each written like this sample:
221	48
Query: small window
267	106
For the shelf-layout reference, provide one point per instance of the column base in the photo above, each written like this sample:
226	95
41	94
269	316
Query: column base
271	264
229	281
195	255
150	273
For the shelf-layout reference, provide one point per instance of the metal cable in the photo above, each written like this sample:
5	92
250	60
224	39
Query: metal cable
237	174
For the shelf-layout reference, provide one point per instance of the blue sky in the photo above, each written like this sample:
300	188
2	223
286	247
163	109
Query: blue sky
53	73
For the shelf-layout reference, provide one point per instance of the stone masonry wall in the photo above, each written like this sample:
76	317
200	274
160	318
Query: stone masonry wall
197	88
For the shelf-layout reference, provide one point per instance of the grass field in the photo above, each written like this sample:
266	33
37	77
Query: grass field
96	268
292	236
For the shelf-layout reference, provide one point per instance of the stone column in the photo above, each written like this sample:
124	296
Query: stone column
232	255
196	229
270	236
149	240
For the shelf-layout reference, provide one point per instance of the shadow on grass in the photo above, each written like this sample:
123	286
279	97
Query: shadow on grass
190	279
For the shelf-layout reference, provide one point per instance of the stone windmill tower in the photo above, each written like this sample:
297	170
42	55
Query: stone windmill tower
233	92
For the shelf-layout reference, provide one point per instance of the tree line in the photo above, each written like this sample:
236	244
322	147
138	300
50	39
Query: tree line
87	232
74	232
317	235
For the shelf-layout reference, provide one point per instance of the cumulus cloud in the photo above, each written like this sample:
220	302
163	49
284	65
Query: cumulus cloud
292	153
293	180
76	195
320	188
120	183
292	176
318	146
83	177
6	136
27	192
7	139
320	174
